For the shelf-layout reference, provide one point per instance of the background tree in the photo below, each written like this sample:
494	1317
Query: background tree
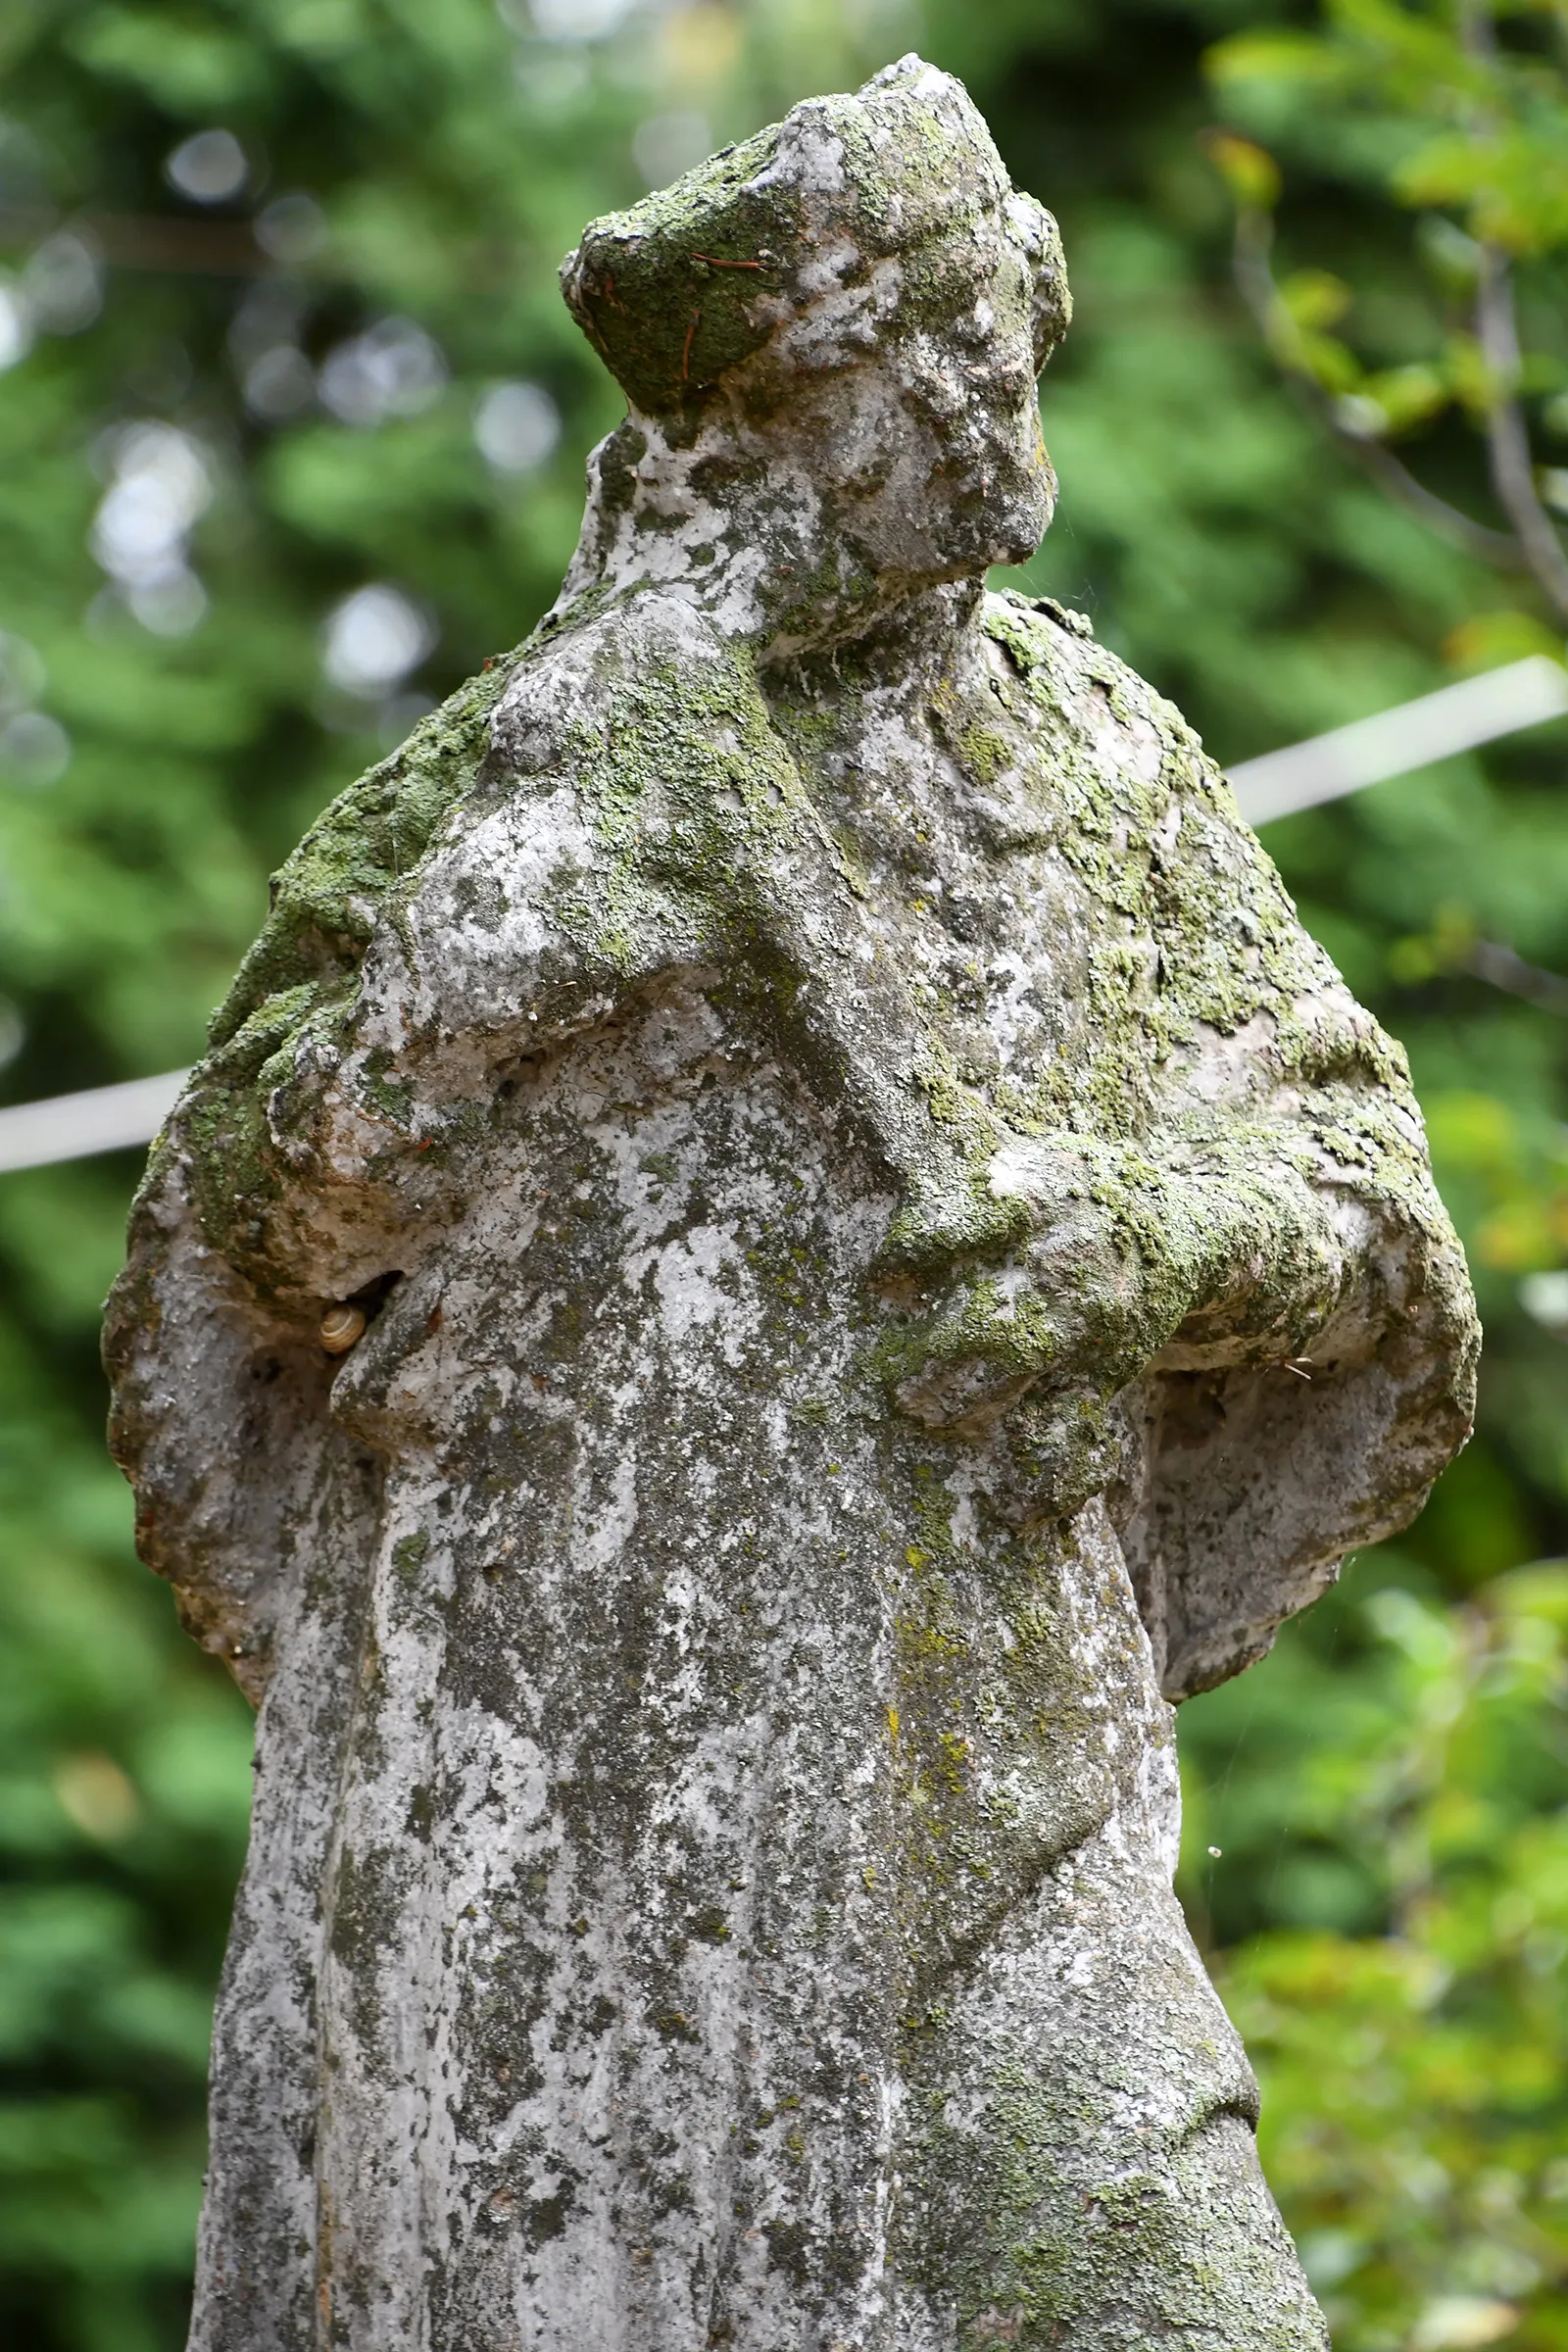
1457	119
290	439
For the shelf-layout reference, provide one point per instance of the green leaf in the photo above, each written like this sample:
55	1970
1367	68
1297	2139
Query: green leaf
1270	56
1315	298
183	60
1248	171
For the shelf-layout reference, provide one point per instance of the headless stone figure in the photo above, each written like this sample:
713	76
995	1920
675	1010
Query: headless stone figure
886	1256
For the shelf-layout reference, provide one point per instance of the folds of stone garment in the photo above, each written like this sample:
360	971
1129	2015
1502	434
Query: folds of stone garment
839	1181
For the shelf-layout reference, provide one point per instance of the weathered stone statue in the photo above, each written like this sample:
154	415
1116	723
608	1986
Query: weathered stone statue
781	1232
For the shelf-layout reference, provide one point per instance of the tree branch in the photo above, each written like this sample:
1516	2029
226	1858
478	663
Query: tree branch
1513	472
1512	466
1255	283
1500	968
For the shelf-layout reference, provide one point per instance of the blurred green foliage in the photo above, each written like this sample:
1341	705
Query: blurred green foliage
1458	112
1376	1851
249	378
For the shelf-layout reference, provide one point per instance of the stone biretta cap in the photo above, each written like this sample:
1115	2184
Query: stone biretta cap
855	215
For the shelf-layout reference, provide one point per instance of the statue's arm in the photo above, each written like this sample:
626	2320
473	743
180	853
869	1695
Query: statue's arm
1263	1468
1120	1251
1270	1313
1295	1414
219	1387
1260	1274
472	905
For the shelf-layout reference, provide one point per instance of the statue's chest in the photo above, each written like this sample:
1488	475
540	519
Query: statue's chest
670	1212
975	889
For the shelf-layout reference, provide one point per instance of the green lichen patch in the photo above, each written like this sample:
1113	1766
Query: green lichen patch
668	293
353	869
677	291
366	847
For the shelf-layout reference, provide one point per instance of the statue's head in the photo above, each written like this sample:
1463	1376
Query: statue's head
861	289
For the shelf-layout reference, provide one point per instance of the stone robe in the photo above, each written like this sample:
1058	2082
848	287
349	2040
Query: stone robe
889	1258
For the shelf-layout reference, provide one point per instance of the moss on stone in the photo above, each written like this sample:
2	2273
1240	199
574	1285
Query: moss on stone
940	906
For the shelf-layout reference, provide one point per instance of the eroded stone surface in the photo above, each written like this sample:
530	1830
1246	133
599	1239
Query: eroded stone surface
841	1141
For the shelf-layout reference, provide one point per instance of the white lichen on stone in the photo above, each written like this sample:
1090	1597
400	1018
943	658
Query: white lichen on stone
839	1140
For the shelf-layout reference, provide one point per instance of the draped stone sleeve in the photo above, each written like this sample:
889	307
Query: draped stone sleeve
1273	1450
462	910
220	1387
1232	1261
1269	1455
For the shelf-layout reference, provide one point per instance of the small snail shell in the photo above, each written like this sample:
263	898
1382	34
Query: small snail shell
341	1326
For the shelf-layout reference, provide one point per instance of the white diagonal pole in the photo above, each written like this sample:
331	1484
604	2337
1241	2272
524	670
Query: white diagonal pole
1523	694
105	1118
1433	727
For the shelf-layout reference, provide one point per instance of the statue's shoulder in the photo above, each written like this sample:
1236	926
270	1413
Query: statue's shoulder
1127	774
617	671
1148	824
650	720
639	687
1106	728
1029	623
